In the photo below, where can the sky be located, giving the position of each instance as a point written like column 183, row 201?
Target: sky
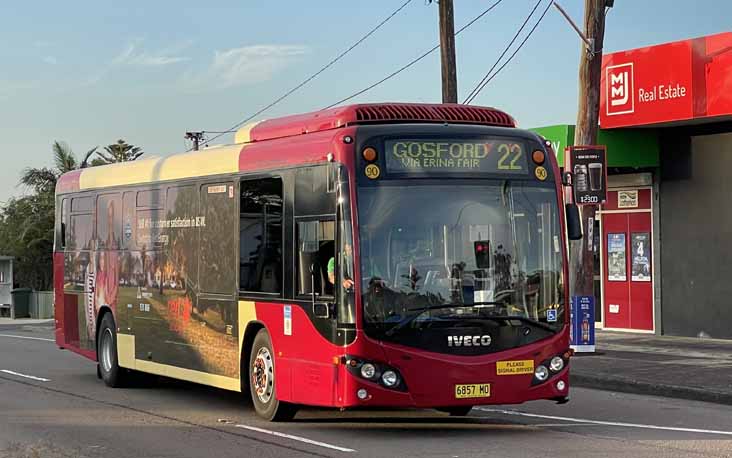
column 88, row 72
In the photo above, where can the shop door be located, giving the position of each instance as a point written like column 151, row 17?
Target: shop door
column 628, row 262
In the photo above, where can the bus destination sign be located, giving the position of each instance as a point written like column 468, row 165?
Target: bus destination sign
column 420, row 156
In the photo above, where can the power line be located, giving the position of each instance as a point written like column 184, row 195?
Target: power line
column 414, row 61
column 314, row 75
column 495, row 64
column 515, row 51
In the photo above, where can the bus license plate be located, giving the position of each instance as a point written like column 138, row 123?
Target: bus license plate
column 481, row 390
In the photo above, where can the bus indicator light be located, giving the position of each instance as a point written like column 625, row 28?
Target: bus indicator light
column 538, row 157
column 369, row 154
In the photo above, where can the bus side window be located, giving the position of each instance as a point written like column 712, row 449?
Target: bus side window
column 315, row 257
column 129, row 228
column 64, row 219
column 217, row 238
column 81, row 223
column 260, row 236
column 109, row 221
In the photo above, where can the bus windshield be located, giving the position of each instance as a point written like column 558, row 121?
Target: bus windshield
column 436, row 252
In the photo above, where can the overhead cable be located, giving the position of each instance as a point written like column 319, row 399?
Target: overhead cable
column 412, row 62
column 313, row 76
column 521, row 45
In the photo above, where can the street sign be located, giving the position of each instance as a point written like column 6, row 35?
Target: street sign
column 582, row 320
column 588, row 165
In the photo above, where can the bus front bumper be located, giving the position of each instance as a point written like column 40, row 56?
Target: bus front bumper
column 435, row 381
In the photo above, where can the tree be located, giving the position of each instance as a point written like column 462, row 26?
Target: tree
column 44, row 179
column 27, row 223
column 118, row 152
column 26, row 233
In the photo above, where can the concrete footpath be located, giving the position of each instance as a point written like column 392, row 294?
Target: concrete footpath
column 680, row 367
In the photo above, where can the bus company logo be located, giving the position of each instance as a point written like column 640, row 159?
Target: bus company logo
column 468, row 341
column 619, row 86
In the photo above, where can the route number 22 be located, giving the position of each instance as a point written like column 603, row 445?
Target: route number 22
column 508, row 153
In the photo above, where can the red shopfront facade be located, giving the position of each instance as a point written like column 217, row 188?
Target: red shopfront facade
column 665, row 247
column 668, row 84
column 627, row 265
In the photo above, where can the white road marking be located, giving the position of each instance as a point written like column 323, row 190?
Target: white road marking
column 27, row 337
column 559, row 425
column 604, row 423
column 296, row 438
column 32, row 377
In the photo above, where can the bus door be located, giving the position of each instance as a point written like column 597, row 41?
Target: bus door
column 211, row 332
column 78, row 312
column 315, row 285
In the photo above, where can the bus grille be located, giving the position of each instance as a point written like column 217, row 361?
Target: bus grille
column 440, row 113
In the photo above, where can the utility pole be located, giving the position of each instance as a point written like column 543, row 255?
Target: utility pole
column 588, row 112
column 447, row 52
column 196, row 137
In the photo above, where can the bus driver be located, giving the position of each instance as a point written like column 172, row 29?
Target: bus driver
column 347, row 277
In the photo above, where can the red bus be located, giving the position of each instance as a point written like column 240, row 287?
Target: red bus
column 399, row 255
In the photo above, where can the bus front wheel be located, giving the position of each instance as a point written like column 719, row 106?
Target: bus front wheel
column 262, row 381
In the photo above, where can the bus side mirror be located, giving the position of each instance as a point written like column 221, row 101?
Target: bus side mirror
column 574, row 226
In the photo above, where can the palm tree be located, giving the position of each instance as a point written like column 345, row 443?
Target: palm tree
column 44, row 179
column 118, row 152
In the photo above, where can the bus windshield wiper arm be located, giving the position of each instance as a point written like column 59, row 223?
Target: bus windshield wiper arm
column 523, row 319
column 419, row 310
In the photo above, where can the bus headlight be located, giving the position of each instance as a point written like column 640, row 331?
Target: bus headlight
column 556, row 364
column 368, row 371
column 541, row 373
column 390, row 378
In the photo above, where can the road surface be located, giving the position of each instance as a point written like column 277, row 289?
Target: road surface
column 53, row 405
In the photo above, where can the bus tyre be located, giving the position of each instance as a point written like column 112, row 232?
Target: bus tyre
column 459, row 411
column 111, row 373
column 262, row 381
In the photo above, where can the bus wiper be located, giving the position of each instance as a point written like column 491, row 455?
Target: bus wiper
column 420, row 310
column 523, row 319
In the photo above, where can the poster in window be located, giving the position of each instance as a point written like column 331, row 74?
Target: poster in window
column 641, row 256
column 616, row 257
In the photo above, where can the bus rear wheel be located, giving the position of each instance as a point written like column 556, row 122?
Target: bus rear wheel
column 108, row 367
column 262, row 381
column 459, row 411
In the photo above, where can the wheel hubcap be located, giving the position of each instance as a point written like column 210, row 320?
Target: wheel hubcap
column 106, row 352
column 263, row 375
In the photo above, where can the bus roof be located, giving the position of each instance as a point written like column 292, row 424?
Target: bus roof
column 373, row 113
column 226, row 159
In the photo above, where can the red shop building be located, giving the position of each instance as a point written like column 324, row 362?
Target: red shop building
column 682, row 93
